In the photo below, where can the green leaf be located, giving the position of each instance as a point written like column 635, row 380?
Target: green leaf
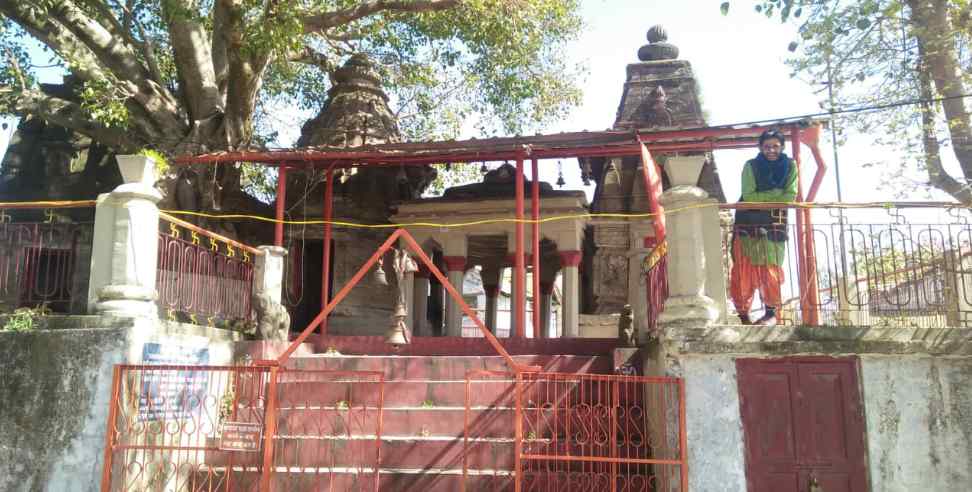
column 724, row 8
column 792, row 46
column 863, row 23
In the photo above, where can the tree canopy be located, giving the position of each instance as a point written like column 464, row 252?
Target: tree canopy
column 185, row 76
column 878, row 52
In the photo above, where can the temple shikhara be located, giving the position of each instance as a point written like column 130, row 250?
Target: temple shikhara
column 359, row 333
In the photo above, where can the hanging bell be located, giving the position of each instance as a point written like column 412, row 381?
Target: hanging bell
column 560, row 175
column 401, row 177
column 397, row 333
column 380, row 277
column 483, row 169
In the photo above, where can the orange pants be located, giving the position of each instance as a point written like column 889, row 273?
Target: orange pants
column 745, row 278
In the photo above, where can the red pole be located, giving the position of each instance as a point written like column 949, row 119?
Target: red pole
column 269, row 431
column 278, row 227
column 808, row 263
column 326, row 260
column 518, row 261
column 538, row 331
column 110, row 429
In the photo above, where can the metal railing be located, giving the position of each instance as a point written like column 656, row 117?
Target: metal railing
column 574, row 432
column 44, row 256
column 246, row 428
column 867, row 267
column 203, row 277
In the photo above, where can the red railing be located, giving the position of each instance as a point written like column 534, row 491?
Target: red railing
column 203, row 278
column 40, row 259
column 574, row 432
column 251, row 428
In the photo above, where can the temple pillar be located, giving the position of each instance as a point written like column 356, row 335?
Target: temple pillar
column 517, row 291
column 456, row 267
column 569, row 264
column 420, row 302
column 124, row 259
column 546, row 292
column 687, row 303
column 491, row 275
column 641, row 232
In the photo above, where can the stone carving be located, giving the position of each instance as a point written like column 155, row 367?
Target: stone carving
column 273, row 320
column 626, row 330
column 657, row 48
column 655, row 108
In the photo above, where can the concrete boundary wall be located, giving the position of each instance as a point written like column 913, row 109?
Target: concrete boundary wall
column 916, row 387
column 55, row 389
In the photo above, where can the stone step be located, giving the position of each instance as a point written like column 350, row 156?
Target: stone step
column 401, row 421
column 426, row 479
column 448, row 368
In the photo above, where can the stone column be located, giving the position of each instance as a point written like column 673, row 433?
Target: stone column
column 569, row 263
column 456, row 267
column 420, row 303
column 546, row 291
column 517, row 290
column 124, row 257
column 687, row 304
column 268, row 271
column 641, row 233
column 491, row 275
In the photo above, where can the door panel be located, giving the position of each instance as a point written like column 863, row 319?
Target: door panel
column 802, row 417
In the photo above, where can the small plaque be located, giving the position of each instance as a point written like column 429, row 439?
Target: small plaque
column 240, row 436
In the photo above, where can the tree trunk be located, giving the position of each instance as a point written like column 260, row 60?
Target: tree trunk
column 939, row 60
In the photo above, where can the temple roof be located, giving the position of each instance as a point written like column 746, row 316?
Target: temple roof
column 562, row 145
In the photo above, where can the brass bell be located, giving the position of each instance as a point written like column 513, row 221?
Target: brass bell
column 380, row 277
column 397, row 333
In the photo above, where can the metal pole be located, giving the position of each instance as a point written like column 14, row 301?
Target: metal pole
column 519, row 264
column 326, row 260
column 538, row 331
column 278, row 226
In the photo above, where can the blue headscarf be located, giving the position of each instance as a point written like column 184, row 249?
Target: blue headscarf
column 771, row 174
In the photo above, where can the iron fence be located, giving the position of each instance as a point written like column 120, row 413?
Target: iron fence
column 44, row 255
column 865, row 268
column 220, row 428
column 203, row 278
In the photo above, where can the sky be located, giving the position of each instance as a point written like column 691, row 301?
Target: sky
column 738, row 62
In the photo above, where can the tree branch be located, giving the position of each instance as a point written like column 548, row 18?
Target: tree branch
column 81, row 60
column 193, row 59
column 70, row 115
column 321, row 21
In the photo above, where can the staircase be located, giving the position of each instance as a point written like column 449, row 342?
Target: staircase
column 328, row 421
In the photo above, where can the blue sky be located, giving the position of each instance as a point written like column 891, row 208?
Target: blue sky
column 739, row 64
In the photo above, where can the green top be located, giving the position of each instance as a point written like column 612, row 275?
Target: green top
column 762, row 251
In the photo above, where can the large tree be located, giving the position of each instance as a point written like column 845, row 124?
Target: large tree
column 190, row 76
column 877, row 52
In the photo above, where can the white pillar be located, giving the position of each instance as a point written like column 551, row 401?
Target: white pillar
column 268, row 269
column 456, row 266
column 640, row 232
column 569, row 263
column 420, row 303
column 124, row 257
column 687, row 303
column 491, row 275
column 715, row 268
column 546, row 292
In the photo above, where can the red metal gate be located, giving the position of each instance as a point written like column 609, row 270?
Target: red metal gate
column 584, row 432
column 189, row 428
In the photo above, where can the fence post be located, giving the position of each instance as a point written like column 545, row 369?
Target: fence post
column 268, row 271
column 684, row 203
column 124, row 255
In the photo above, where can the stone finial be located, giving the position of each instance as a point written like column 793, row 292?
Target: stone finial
column 658, row 47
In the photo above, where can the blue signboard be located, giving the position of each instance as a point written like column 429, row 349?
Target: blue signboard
column 169, row 394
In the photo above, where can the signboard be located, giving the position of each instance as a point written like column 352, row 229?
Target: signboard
column 172, row 394
column 240, row 436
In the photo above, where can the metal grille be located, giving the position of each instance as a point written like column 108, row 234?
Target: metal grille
column 38, row 263
column 317, row 430
column 202, row 279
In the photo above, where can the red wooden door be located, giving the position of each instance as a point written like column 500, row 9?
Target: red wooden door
column 803, row 423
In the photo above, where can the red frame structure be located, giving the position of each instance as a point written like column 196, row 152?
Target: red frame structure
column 639, row 143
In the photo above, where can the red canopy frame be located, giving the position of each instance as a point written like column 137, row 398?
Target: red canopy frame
column 635, row 143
